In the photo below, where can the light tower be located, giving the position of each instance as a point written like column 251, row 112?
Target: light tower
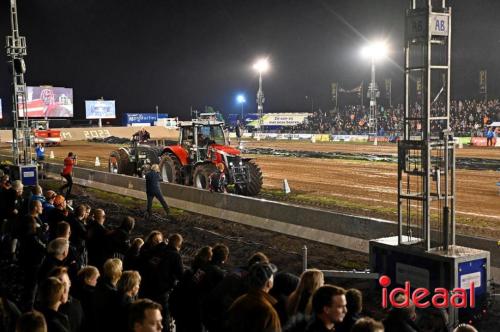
column 241, row 100
column 16, row 50
column 374, row 51
column 425, row 253
column 261, row 66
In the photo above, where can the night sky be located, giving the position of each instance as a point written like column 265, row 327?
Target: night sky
column 184, row 53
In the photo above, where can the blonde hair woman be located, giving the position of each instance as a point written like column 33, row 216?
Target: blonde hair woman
column 300, row 299
column 129, row 284
column 113, row 270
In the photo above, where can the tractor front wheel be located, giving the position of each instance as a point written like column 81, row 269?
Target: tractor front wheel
column 252, row 188
column 201, row 175
column 170, row 168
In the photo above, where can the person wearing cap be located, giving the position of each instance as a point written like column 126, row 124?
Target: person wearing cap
column 69, row 162
column 254, row 311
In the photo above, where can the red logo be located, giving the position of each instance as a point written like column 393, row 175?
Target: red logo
column 423, row 298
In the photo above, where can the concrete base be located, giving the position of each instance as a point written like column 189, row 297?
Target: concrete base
column 453, row 268
column 86, row 133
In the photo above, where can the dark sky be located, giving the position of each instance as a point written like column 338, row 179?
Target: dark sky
column 183, row 53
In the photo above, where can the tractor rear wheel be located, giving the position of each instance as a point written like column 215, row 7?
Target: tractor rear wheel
column 252, row 188
column 125, row 166
column 152, row 154
column 170, row 168
column 201, row 175
column 118, row 163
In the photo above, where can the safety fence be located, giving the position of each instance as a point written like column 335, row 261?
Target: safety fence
column 338, row 229
column 320, row 225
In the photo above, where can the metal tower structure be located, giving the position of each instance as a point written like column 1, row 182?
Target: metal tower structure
column 21, row 132
column 260, row 102
column 426, row 156
column 424, row 252
column 373, row 94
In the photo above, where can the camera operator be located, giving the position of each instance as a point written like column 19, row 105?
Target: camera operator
column 69, row 162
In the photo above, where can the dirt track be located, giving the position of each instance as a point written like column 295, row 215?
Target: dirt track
column 361, row 187
column 381, row 148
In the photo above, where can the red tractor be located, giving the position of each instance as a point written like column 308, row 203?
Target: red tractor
column 202, row 144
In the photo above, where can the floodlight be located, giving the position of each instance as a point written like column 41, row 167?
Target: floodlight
column 241, row 99
column 262, row 65
column 375, row 50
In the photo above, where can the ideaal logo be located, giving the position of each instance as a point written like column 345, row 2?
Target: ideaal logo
column 423, row 298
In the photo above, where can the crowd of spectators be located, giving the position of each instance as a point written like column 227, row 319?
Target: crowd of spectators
column 80, row 274
column 467, row 118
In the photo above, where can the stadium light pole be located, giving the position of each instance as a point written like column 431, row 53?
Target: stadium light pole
column 374, row 51
column 261, row 66
column 312, row 103
column 241, row 100
column 156, row 107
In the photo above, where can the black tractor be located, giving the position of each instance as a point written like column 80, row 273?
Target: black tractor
column 135, row 159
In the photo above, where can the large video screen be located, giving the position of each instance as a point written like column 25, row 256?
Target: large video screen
column 100, row 109
column 48, row 101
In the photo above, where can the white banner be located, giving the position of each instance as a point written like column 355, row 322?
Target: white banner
column 349, row 138
column 281, row 119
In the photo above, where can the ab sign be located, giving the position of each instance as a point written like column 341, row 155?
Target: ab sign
column 418, row 26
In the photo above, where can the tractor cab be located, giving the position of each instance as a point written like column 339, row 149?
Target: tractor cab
column 198, row 136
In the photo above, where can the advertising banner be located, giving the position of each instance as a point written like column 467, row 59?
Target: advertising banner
column 322, row 138
column 48, row 102
column 100, row 109
column 281, row 119
column 481, row 141
column 349, row 138
column 142, row 118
